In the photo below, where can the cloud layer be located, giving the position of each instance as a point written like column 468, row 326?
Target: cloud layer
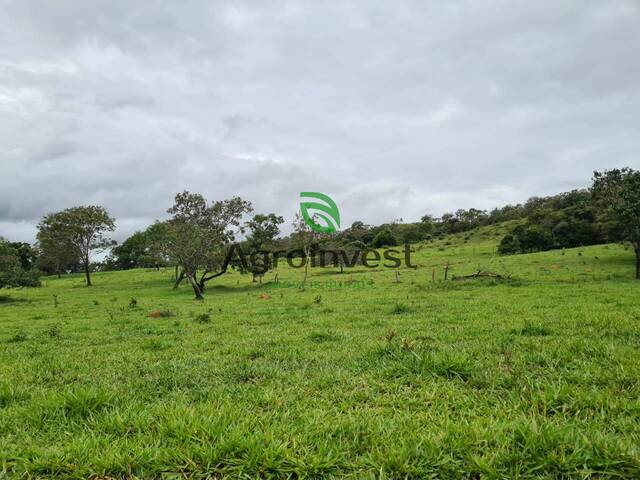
column 395, row 109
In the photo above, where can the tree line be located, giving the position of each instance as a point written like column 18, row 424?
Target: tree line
column 196, row 237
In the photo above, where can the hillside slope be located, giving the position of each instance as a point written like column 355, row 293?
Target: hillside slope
column 529, row 376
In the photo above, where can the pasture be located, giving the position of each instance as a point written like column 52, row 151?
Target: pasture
column 531, row 376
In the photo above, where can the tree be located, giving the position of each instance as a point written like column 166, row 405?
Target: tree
column 198, row 234
column 358, row 232
column 26, row 254
column 55, row 255
column 75, row 233
column 340, row 255
column 618, row 193
column 409, row 232
column 533, row 238
column 263, row 231
column 304, row 237
column 128, row 253
column 426, row 225
column 509, row 244
column 384, row 238
column 12, row 271
column 142, row 249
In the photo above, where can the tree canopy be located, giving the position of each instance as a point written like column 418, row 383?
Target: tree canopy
column 618, row 193
column 198, row 234
column 14, row 272
column 74, row 233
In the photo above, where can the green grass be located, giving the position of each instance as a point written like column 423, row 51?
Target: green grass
column 532, row 376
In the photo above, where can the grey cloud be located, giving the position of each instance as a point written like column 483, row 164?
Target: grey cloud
column 393, row 108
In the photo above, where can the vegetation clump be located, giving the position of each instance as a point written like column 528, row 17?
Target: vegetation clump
column 400, row 308
column 204, row 317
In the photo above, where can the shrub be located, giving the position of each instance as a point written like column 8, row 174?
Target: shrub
column 203, row 318
column 18, row 337
column 384, row 238
column 12, row 271
column 508, row 245
column 54, row 331
column 400, row 308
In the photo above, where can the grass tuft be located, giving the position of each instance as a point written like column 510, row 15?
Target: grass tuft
column 203, row 318
column 322, row 337
column 532, row 330
column 84, row 403
column 400, row 308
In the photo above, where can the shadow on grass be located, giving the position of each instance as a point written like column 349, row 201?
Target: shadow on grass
column 6, row 299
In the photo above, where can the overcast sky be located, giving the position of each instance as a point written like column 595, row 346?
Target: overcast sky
column 393, row 108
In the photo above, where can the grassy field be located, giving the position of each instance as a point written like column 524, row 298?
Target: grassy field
column 536, row 376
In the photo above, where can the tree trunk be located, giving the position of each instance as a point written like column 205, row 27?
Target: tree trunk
column 638, row 260
column 175, row 273
column 86, row 272
column 179, row 279
column 204, row 279
column 196, row 287
column 306, row 270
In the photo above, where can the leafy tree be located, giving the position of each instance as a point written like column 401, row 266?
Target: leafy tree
column 341, row 255
column 26, row 254
column 409, row 232
column 144, row 249
column 305, row 239
column 572, row 232
column 533, row 238
column 263, row 231
column 128, row 253
column 427, row 225
column 55, row 256
column 358, row 232
column 198, row 234
column 384, row 238
column 509, row 244
column 618, row 193
column 506, row 213
column 12, row 271
column 158, row 244
column 75, row 233
column 561, row 221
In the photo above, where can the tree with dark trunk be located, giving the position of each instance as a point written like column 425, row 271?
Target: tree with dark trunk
column 199, row 234
column 75, row 233
column 618, row 193
column 306, row 239
column 263, row 230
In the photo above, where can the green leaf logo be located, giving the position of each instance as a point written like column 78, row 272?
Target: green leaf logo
column 331, row 215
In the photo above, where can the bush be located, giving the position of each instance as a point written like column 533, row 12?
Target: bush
column 509, row 245
column 12, row 272
column 203, row 318
column 526, row 238
column 384, row 238
column 400, row 308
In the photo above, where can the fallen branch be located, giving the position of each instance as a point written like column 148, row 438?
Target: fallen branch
column 482, row 274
